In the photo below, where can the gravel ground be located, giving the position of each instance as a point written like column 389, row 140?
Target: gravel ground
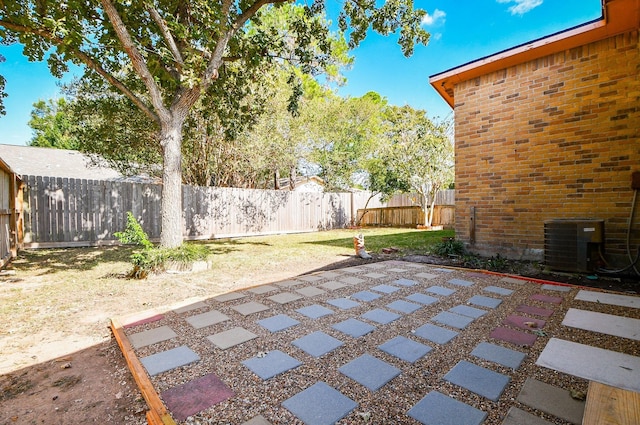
column 390, row 403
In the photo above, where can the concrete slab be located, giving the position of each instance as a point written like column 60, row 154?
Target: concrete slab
column 231, row 338
column 453, row 320
column 263, row 289
column 546, row 299
column 285, row 297
column 310, row 291
column 465, row 310
column 513, row 280
column 353, row 270
column 278, row 323
column 553, row 400
column 422, row 299
column 403, row 306
column 151, row 336
column 317, row 344
column 351, row 280
column 397, row 270
column 443, row 270
column 477, row 379
column 385, row 289
column 310, row 278
column 375, row 266
column 557, row 288
column 343, row 303
column 632, row 301
column 438, row 409
column 170, row 359
column 375, row 275
column 320, row 404
column 427, row 276
column 439, row 290
column 190, row 307
column 231, row 296
column 405, row 282
column 332, row 285
column 195, row 396
column 538, row 311
column 365, row 296
column 354, row 328
column 460, row 282
column 209, row 318
column 257, row 420
column 498, row 290
column 405, row 349
column 360, row 370
column 482, row 301
column 517, row 416
column 435, row 333
column 381, row 316
column 251, row 307
column 289, row 283
column 329, row 274
column 592, row 363
column 498, row 354
column 513, row 336
column 522, row 322
column 272, row 364
column 315, row 311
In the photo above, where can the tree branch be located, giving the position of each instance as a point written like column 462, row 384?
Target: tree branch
column 166, row 33
column 90, row 62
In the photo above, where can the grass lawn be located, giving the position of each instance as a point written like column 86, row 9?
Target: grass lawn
column 62, row 299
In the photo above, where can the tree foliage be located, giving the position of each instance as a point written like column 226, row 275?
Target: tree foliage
column 52, row 125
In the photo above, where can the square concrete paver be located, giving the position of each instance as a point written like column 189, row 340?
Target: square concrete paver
column 288, row 283
column 523, row 322
column 365, row 296
column 422, row 299
column 625, row 327
column 285, row 298
column 343, row 303
column 278, row 323
column 497, row 354
column 310, row 291
column 427, row 276
column 310, row 278
column 498, row 290
column 443, row 270
column 439, row 290
column 557, row 288
column 320, row 404
column 537, row 311
column 546, row 298
column 329, row 274
column 465, row 310
column 405, row 282
column 551, row 399
column 435, row 333
column 439, row 409
column 513, row 336
column 151, row 336
column 405, row 349
column 513, row 280
column 354, row 328
column 360, row 370
column 257, row 420
column 517, row 416
column 263, row 289
column 195, row 396
column 397, row 270
column 460, row 282
column 209, row 318
column 230, row 338
column 477, row 379
column 385, row 289
column 381, row 316
column 231, row 296
column 273, row 363
column 375, row 275
column 404, row 306
column 451, row 319
column 315, row 311
column 333, row 285
column 317, row 344
column 482, row 301
column 170, row 359
column 251, row 307
column 351, row 280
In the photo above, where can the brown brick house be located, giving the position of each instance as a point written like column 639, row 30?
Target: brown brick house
column 549, row 130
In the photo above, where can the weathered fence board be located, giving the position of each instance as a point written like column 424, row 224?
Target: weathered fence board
column 406, row 216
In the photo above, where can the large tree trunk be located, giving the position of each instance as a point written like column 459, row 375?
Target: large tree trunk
column 171, row 141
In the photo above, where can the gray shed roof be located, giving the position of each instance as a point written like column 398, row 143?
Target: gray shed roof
column 48, row 162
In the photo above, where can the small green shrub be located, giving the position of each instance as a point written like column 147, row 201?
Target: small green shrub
column 133, row 234
column 449, row 247
column 155, row 260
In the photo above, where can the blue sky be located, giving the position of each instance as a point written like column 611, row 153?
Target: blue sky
column 461, row 31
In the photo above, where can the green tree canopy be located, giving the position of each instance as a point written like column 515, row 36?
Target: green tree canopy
column 52, row 125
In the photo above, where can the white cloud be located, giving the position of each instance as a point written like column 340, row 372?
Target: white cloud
column 521, row 6
column 438, row 15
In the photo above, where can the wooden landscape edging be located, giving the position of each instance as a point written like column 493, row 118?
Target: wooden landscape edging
column 158, row 413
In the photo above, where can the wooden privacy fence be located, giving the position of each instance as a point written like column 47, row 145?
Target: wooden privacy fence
column 406, row 216
column 10, row 214
column 64, row 212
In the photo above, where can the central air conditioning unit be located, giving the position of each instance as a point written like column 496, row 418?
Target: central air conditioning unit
column 573, row 245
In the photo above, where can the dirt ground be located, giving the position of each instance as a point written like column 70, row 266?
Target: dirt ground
column 93, row 385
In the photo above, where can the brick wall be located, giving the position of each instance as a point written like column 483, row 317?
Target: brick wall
column 556, row 137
